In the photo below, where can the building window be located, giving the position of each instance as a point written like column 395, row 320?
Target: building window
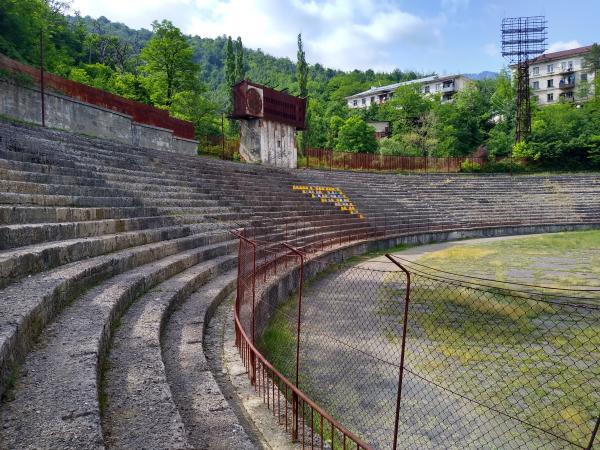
column 563, row 65
column 584, row 77
column 438, row 87
column 426, row 89
column 536, row 84
column 550, row 98
column 363, row 101
column 355, row 102
column 536, row 70
column 550, row 68
column 373, row 99
column 550, row 83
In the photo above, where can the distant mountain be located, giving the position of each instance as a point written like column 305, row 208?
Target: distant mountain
column 486, row 74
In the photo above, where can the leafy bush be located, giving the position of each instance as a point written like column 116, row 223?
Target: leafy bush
column 356, row 136
column 471, row 167
column 504, row 166
column 397, row 147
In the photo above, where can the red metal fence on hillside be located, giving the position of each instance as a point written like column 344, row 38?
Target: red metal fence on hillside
column 140, row 112
column 319, row 158
column 394, row 354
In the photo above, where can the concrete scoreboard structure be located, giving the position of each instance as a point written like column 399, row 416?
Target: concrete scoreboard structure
column 269, row 120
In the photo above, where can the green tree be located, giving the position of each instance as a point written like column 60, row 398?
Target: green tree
column 301, row 70
column 240, row 71
column 591, row 62
column 302, row 78
column 406, row 109
column 501, row 137
column 193, row 106
column 168, row 63
column 333, row 130
column 230, row 71
column 356, row 136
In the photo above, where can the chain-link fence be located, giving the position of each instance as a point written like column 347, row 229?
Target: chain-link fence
column 405, row 356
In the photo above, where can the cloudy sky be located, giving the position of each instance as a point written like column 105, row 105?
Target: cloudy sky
column 446, row 36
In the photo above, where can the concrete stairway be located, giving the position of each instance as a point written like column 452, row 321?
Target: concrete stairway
column 458, row 201
column 112, row 258
column 99, row 243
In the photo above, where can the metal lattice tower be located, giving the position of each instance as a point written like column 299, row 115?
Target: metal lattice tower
column 523, row 39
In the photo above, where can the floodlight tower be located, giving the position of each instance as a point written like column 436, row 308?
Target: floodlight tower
column 523, row 39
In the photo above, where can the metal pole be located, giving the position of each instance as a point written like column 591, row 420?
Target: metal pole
column 591, row 444
column 222, row 135
column 403, row 349
column 298, row 329
column 42, row 78
column 253, row 310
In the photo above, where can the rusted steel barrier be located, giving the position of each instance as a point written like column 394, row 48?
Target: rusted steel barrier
column 306, row 421
column 320, row 158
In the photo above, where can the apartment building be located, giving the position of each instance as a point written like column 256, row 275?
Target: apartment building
column 560, row 75
column 445, row 86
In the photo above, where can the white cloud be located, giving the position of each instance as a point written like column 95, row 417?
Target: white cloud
column 338, row 33
column 563, row 45
column 491, row 49
column 135, row 13
column 454, row 6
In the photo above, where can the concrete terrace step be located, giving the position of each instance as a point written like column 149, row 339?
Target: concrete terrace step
column 140, row 411
column 30, row 259
column 28, row 305
column 11, row 215
column 12, row 236
column 208, row 418
column 55, row 401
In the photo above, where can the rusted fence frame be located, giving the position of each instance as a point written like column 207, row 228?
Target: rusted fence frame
column 326, row 159
column 269, row 376
column 264, row 376
column 242, row 280
column 402, row 349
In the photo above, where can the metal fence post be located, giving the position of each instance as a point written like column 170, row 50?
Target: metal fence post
column 402, row 350
column 594, row 433
column 295, row 412
column 42, row 90
column 252, row 356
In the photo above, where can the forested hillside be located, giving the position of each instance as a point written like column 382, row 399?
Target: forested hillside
column 191, row 77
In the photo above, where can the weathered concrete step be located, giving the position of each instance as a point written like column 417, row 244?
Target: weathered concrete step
column 33, row 214
column 181, row 177
column 26, row 187
column 28, row 305
column 17, row 263
column 209, row 419
column 139, row 411
column 55, row 403
column 12, row 236
column 7, row 198
column 153, row 191
column 102, row 202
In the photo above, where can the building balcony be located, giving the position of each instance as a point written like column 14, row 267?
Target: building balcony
column 567, row 70
column 566, row 85
column 448, row 88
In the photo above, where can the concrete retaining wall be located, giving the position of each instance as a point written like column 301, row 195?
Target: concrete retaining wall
column 24, row 103
column 279, row 289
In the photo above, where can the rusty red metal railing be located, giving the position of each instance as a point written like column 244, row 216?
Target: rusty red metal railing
column 318, row 414
column 306, row 421
column 139, row 112
column 320, row 158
